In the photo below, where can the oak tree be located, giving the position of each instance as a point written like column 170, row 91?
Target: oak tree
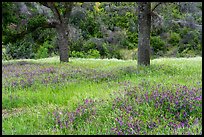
column 59, row 19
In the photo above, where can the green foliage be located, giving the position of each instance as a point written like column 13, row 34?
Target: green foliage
column 5, row 56
column 77, row 54
column 104, row 50
column 174, row 39
column 184, row 31
column 89, row 45
column 190, row 43
column 35, row 22
column 184, row 51
column 122, row 21
column 43, row 51
column 120, row 15
column 110, row 51
column 157, row 43
column 8, row 13
column 76, row 45
column 128, row 54
column 92, row 53
column 127, row 44
column 175, row 13
column 41, row 36
column 21, row 49
column 90, row 26
column 114, row 23
column 132, row 39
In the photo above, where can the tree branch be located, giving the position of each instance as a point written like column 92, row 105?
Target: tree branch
column 156, row 6
column 55, row 11
column 45, row 4
column 53, row 8
column 14, row 37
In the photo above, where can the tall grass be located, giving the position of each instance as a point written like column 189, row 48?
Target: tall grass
column 102, row 96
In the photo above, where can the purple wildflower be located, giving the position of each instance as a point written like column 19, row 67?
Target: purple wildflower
column 130, row 125
column 195, row 121
column 86, row 101
column 61, row 126
column 119, row 121
column 184, row 114
column 182, row 124
column 14, row 84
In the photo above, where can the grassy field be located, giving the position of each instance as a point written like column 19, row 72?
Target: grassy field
column 102, row 96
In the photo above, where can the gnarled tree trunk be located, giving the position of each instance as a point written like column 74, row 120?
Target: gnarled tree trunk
column 144, row 26
column 62, row 42
column 61, row 12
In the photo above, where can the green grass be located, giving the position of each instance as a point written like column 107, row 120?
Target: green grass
column 25, row 109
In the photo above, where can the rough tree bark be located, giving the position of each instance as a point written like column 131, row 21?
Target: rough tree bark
column 62, row 42
column 62, row 27
column 144, row 26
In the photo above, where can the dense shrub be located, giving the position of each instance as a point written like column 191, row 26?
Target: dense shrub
column 190, row 43
column 92, row 53
column 116, row 37
column 90, row 26
column 132, row 40
column 110, row 51
column 76, row 45
column 77, row 54
column 174, row 39
column 157, row 43
column 127, row 54
column 127, row 45
column 104, row 50
column 43, row 50
column 93, row 43
column 77, row 16
column 21, row 49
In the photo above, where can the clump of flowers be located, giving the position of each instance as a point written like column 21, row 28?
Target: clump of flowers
column 26, row 75
column 142, row 110
column 65, row 120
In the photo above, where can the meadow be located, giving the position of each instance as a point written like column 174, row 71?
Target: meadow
column 102, row 96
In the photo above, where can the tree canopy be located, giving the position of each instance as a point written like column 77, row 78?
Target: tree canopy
column 98, row 29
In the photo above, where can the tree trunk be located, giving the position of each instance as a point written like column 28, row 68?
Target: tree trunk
column 144, row 26
column 62, row 42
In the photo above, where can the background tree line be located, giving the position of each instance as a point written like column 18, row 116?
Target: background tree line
column 98, row 30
